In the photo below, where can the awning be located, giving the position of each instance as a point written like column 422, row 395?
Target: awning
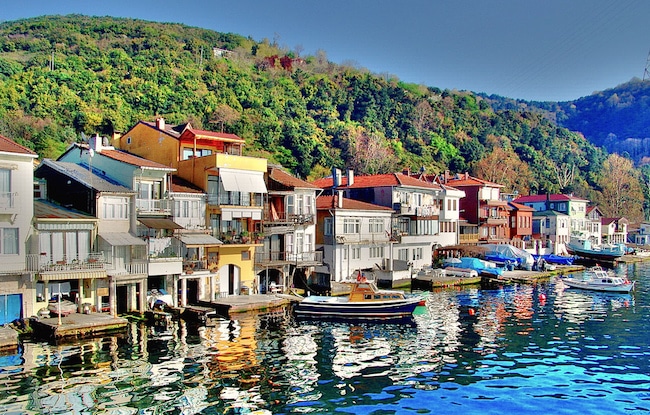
column 121, row 239
column 237, row 213
column 159, row 223
column 197, row 240
column 244, row 181
column 72, row 275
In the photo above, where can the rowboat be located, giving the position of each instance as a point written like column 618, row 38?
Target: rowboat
column 365, row 302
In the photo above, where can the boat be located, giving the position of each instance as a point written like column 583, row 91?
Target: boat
column 606, row 252
column 598, row 279
column 555, row 259
column 365, row 302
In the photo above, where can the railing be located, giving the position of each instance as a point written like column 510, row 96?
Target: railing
column 7, row 200
column 288, row 257
column 293, row 218
column 161, row 248
column 154, row 206
column 40, row 263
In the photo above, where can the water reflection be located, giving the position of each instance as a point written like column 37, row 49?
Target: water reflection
column 478, row 351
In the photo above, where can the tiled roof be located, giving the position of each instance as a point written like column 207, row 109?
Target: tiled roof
column 213, row 134
column 551, row 198
column 180, row 185
column 48, row 210
column 8, row 145
column 377, row 180
column 330, row 202
column 173, row 130
column 288, row 180
column 134, row 160
column 470, row 181
column 521, row 207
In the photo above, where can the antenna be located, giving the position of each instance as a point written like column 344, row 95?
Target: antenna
column 646, row 72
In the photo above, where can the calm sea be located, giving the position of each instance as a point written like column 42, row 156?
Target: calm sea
column 528, row 349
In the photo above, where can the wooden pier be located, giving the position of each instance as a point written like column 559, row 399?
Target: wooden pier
column 76, row 325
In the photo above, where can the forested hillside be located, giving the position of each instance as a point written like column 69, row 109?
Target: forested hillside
column 61, row 76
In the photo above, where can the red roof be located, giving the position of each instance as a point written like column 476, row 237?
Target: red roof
column 551, row 198
column 470, row 181
column 134, row 160
column 213, row 134
column 10, row 146
column 288, row 180
column 377, row 180
column 330, row 202
column 519, row 206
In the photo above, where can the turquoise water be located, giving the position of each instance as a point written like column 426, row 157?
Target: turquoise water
column 525, row 348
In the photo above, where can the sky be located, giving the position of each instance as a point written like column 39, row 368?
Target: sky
column 541, row 50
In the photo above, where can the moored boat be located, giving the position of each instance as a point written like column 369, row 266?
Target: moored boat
column 584, row 248
column 598, row 279
column 365, row 302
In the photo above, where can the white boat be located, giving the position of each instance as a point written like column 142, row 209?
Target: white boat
column 598, row 279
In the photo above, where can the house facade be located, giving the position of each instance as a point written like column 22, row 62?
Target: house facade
column 288, row 255
column 235, row 189
column 520, row 229
column 551, row 231
column 17, row 294
column 354, row 237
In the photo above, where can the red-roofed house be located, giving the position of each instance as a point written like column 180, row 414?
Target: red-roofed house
column 354, row 237
column 235, row 189
column 16, row 212
column 289, row 230
column 481, row 207
column 521, row 223
column 426, row 214
column 614, row 230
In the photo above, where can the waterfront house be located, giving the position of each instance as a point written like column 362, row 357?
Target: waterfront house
column 355, row 238
column 426, row 215
column 65, row 259
column 288, row 234
column 481, row 208
column 16, row 211
column 125, row 255
column 614, row 230
column 574, row 207
column 520, row 229
column 234, row 185
column 551, row 232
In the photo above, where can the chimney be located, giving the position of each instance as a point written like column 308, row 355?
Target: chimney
column 336, row 177
column 466, row 176
column 406, row 172
column 160, row 123
column 350, row 177
column 95, row 143
column 339, row 197
column 446, row 176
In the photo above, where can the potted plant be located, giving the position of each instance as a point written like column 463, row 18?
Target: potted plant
column 244, row 236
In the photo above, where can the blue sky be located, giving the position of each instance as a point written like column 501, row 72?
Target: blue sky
column 547, row 50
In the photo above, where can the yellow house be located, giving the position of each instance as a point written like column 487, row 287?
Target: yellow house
column 234, row 185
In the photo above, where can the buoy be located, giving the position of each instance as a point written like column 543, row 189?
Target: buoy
column 542, row 297
column 471, row 311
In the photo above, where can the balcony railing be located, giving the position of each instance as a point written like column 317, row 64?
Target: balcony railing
column 283, row 257
column 40, row 263
column 292, row 218
column 7, row 200
column 153, row 206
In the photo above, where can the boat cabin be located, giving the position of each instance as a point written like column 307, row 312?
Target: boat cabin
column 368, row 291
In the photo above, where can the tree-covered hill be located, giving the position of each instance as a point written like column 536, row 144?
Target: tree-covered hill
column 61, row 76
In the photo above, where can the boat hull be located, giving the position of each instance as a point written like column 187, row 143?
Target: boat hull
column 618, row 288
column 329, row 307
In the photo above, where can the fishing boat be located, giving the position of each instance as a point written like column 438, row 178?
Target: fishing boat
column 584, row 248
column 365, row 302
column 598, row 279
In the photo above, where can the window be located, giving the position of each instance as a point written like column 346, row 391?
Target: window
column 403, row 254
column 245, row 255
column 351, row 226
column 356, row 252
column 9, row 241
column 376, row 252
column 417, row 254
column 327, row 227
column 5, row 188
column 115, row 208
column 376, row 226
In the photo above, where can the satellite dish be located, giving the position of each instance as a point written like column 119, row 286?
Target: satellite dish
column 91, row 152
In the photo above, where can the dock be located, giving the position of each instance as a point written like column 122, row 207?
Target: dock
column 236, row 304
column 8, row 339
column 76, row 325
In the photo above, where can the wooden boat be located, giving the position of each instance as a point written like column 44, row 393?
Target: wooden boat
column 584, row 248
column 598, row 279
column 365, row 302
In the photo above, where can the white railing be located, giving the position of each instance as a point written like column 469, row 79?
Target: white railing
column 42, row 263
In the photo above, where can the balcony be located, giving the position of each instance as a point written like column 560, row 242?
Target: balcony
column 8, row 201
column 39, row 263
column 280, row 258
column 154, row 206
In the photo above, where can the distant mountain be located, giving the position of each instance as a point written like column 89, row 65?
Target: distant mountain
column 617, row 119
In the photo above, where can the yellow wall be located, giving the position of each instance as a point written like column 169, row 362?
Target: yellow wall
column 150, row 143
column 232, row 254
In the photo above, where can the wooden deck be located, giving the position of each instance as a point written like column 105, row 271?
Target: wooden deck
column 76, row 325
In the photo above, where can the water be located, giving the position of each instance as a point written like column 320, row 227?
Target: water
column 533, row 349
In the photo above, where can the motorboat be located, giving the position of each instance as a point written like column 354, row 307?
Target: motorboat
column 606, row 252
column 598, row 279
column 364, row 302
